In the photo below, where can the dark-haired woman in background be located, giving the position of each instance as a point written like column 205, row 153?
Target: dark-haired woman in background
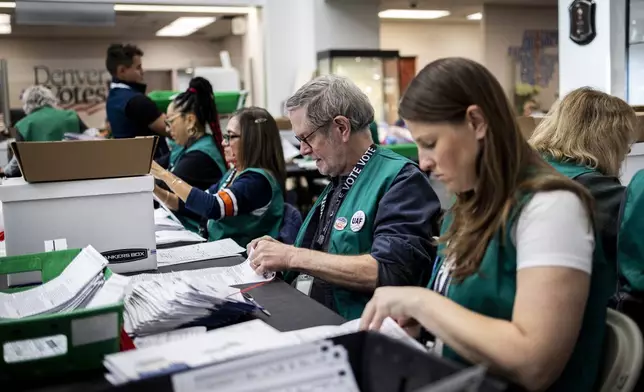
column 196, row 155
column 248, row 202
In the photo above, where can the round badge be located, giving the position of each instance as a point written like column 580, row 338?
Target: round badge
column 357, row 221
column 340, row 223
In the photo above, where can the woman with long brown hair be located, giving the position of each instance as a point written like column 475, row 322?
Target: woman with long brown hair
column 516, row 286
column 248, row 202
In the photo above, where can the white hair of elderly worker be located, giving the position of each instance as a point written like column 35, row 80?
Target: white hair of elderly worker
column 36, row 97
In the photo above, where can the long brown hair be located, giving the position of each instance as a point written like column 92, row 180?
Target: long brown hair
column 260, row 142
column 507, row 166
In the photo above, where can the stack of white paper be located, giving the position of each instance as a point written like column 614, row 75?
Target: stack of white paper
column 217, row 345
column 320, row 366
column 389, row 328
column 191, row 253
column 166, row 220
column 238, row 274
column 170, row 300
column 166, row 337
column 70, row 290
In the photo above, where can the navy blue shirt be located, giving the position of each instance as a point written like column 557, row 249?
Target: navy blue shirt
column 251, row 192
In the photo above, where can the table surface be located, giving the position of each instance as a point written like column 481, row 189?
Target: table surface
column 289, row 308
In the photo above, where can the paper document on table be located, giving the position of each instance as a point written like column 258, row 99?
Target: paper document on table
column 243, row 274
column 113, row 291
column 389, row 327
column 166, row 223
column 166, row 337
column 199, row 252
column 164, row 207
column 320, row 366
column 71, row 289
column 166, row 237
column 216, row 345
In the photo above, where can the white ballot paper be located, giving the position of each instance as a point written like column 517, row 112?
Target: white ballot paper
column 199, row 252
column 319, row 366
column 71, row 289
column 113, row 291
column 238, row 274
column 166, row 237
column 166, row 337
column 389, row 328
column 217, row 345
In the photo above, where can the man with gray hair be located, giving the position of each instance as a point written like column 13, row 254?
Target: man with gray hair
column 372, row 226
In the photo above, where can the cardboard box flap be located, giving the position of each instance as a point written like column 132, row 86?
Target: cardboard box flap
column 84, row 159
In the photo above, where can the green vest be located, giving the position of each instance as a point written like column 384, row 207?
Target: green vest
column 206, row 145
column 48, row 124
column 371, row 185
column 175, row 149
column 630, row 246
column 491, row 292
column 245, row 228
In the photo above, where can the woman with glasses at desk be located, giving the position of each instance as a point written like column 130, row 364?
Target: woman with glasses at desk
column 248, row 202
column 196, row 154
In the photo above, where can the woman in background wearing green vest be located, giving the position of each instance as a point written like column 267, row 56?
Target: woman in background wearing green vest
column 587, row 137
column 197, row 155
column 516, row 285
column 44, row 122
column 248, row 202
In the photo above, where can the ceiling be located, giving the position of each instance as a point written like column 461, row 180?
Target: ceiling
column 128, row 25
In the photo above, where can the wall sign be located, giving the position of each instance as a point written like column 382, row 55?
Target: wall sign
column 582, row 21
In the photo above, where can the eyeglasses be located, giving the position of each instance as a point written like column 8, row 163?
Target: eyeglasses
column 304, row 139
column 170, row 120
column 230, row 136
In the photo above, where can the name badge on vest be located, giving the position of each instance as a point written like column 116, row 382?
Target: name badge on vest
column 303, row 284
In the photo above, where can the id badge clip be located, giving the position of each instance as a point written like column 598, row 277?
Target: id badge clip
column 304, row 283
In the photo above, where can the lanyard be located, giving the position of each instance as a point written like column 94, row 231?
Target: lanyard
column 229, row 179
column 346, row 187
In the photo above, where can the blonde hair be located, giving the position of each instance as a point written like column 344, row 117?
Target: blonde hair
column 590, row 128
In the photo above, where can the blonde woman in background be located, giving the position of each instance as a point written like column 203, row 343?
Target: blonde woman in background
column 586, row 137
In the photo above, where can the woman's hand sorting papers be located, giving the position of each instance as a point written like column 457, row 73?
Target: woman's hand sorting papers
column 157, row 171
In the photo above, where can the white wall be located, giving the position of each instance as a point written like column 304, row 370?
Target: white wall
column 602, row 63
column 504, row 26
column 431, row 41
column 346, row 25
column 486, row 42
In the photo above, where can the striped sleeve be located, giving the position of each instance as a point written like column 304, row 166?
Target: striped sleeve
column 249, row 193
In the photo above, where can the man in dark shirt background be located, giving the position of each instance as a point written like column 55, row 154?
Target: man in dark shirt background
column 129, row 111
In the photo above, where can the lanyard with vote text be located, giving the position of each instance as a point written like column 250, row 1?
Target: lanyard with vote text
column 348, row 184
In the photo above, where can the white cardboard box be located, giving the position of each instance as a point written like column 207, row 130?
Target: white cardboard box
column 115, row 216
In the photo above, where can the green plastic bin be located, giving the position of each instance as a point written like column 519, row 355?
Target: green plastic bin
column 227, row 101
column 90, row 333
column 408, row 150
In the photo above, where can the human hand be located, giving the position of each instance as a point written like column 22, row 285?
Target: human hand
column 411, row 326
column 271, row 256
column 157, row 171
column 251, row 245
column 395, row 302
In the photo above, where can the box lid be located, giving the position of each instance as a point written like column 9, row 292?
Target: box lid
column 17, row 189
column 84, row 159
